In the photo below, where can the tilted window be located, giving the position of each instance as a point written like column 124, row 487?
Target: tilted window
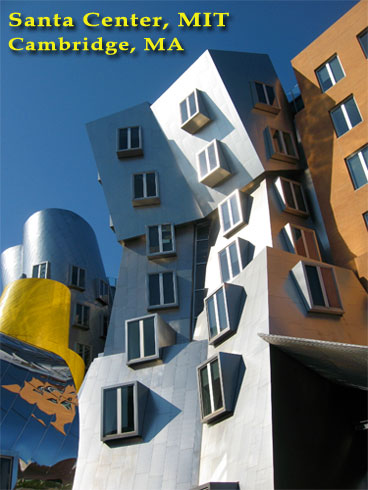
column 345, row 116
column 218, row 384
column 160, row 240
column 292, row 196
column 330, row 73
column 265, row 98
column 302, row 241
column 211, row 164
column 363, row 41
column 358, row 167
column 42, row 270
column 129, row 142
column 122, row 413
column 280, row 145
column 233, row 212
column 85, row 352
column 234, row 258
column 145, row 337
column 162, row 290
column 193, row 113
column 82, row 313
column 77, row 277
column 318, row 287
column 145, row 189
column 102, row 291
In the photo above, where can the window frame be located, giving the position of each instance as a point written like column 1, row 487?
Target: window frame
column 146, row 200
column 345, row 115
column 78, row 286
column 221, row 333
column 273, row 108
column 365, row 218
column 129, row 151
column 141, row 358
column 220, row 411
column 282, row 155
column 364, row 32
column 228, row 260
column 330, row 72
column 162, row 305
column 219, row 173
column 295, row 210
column 102, row 291
column 161, row 252
column 241, row 203
column 304, row 230
column 47, row 270
column 198, row 119
column 85, row 308
column 364, row 165
column 13, row 470
column 82, row 354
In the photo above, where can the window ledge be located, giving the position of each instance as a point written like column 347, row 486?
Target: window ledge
column 162, row 307
column 143, row 360
column 297, row 212
column 78, row 288
column 233, row 229
column 215, row 177
column 161, row 255
column 217, row 415
column 220, row 337
column 284, row 158
column 83, row 327
column 130, row 152
column 195, row 123
column 327, row 310
column 266, row 107
column 146, row 201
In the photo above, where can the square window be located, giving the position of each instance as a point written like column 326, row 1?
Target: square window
column 233, row 212
column 330, row 73
column 234, row 258
column 358, row 167
column 42, row 270
column 280, row 145
column 162, row 290
column 264, row 97
column 122, row 411
column 211, row 164
column 218, row 385
column 81, row 318
column 85, row 352
column 318, row 287
column 292, row 196
column 193, row 114
column 129, row 142
column 145, row 189
column 345, row 116
column 160, row 241
column 77, row 277
column 302, row 241
column 102, row 291
column 363, row 41
column 145, row 337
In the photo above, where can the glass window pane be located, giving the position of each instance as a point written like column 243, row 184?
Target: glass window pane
column 224, row 209
column 212, row 159
column 42, row 273
column 82, row 278
column 75, row 275
column 339, row 121
column 277, row 142
column 314, row 285
column 35, row 271
column 260, row 93
column 221, row 309
column 133, row 340
column 138, row 186
column 202, row 251
column 202, row 164
column 183, row 111
column 363, row 39
column 288, row 195
column 86, row 316
column 149, row 336
column 153, row 240
column 127, row 409
column 200, row 275
column 123, row 139
column 357, row 173
column 154, row 289
column 167, row 244
column 298, row 242
column 192, row 104
column 330, row 286
column 312, row 246
column 299, row 198
column 212, row 324
column 205, row 392
column 168, row 285
column 352, row 110
column 216, row 385
column 234, row 261
column 270, row 94
column 6, row 473
column 289, row 144
column 234, row 209
column 224, row 266
column 151, row 185
column 134, row 137
column 198, row 302
column 336, row 69
column 203, row 230
column 324, row 78
column 110, row 416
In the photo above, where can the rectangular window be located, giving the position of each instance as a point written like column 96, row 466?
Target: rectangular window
column 85, row 352
column 265, row 97
column 77, row 277
column 145, row 189
column 6, row 470
column 230, row 261
column 192, row 113
column 200, row 263
column 188, row 107
column 303, row 241
column 160, row 240
column 141, row 338
column 282, row 143
column 217, row 316
column 345, row 116
column 363, row 41
column 104, row 326
column 129, row 142
column 102, row 291
column 358, row 167
column 330, row 73
column 212, row 168
column 42, row 270
column 81, row 318
column 211, row 388
column 292, row 195
column 162, row 291
column 232, row 213
column 365, row 217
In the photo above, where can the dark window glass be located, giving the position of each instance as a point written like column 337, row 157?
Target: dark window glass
column 110, row 416
column 35, row 271
column 166, row 236
column 221, row 309
column 339, row 121
column 224, row 266
column 260, row 93
column 336, row 69
column 154, row 289
column 168, row 286
column 216, row 385
column 225, row 215
column 234, row 209
column 365, row 217
column 202, row 164
column 6, row 466
column 82, row 278
column 149, row 336
column 352, row 110
column 198, row 302
column 205, row 391
column 154, row 244
column 212, row 160
column 286, row 187
column 363, row 40
column 289, row 144
column 183, row 111
column 234, row 259
column 202, row 251
column 127, row 408
column 270, row 94
column 138, row 186
column 203, row 230
column 324, row 78
column 358, row 166
column 192, row 104
column 75, row 276
column 299, row 198
column 134, row 138
column 200, row 276
column 133, row 340
column 123, row 139
column 151, row 185
column 314, row 285
column 212, row 316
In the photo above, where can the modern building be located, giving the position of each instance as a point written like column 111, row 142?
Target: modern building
column 60, row 245
column 332, row 76
column 236, row 352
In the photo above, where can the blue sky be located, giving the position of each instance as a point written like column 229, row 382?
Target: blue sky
column 47, row 98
